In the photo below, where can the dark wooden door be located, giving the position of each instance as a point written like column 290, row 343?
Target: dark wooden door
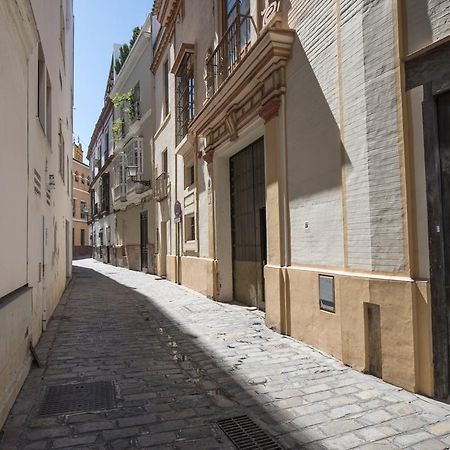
column 443, row 109
column 144, row 240
column 248, row 224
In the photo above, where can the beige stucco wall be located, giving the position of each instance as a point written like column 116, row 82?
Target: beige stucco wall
column 405, row 321
column 198, row 274
column 80, row 193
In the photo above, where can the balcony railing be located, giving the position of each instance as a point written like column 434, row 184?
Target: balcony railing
column 229, row 52
column 120, row 193
column 161, row 187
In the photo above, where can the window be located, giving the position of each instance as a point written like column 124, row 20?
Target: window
column 62, row 31
column 67, row 172
column 326, row 293
column 189, row 230
column 44, row 107
column 81, row 237
column 185, row 95
column 41, row 88
column 233, row 9
column 166, row 88
column 164, row 161
column 189, row 176
column 83, row 210
column 106, row 151
column 48, row 115
column 73, row 207
column 61, row 150
column 137, row 101
column 105, row 193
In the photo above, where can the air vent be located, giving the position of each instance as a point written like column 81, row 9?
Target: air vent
column 79, row 397
column 246, row 434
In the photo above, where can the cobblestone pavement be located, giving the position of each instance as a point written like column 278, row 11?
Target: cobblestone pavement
column 181, row 361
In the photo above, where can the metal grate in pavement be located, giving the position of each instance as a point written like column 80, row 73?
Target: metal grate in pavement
column 79, row 397
column 246, row 434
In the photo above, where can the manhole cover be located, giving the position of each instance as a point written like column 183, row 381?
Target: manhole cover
column 246, row 434
column 79, row 397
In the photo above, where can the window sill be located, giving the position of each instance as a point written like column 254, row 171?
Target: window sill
column 185, row 145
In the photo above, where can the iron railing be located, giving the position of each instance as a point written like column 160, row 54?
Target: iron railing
column 161, row 187
column 227, row 55
column 185, row 95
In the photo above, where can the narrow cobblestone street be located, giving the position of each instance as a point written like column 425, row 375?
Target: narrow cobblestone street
column 180, row 362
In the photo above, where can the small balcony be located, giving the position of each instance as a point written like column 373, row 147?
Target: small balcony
column 120, row 193
column 234, row 44
column 161, row 187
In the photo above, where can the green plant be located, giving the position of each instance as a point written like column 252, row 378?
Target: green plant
column 124, row 50
column 126, row 101
column 117, row 129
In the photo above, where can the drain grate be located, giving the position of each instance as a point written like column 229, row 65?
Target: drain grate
column 246, row 434
column 79, row 397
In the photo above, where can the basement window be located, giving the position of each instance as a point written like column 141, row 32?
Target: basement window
column 189, row 176
column 189, row 228
column 326, row 293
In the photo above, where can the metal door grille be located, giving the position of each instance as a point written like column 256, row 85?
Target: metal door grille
column 79, row 397
column 246, row 434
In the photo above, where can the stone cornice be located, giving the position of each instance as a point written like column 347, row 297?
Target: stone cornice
column 107, row 109
column 166, row 12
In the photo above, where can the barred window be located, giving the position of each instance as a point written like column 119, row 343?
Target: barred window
column 184, row 95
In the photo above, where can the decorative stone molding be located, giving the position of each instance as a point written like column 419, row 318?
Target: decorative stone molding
column 270, row 12
column 208, row 157
column 270, row 109
column 231, row 124
column 166, row 12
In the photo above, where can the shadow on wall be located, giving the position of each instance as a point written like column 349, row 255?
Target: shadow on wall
column 316, row 153
column 419, row 31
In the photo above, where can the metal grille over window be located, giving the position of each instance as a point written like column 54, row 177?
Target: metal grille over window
column 185, row 95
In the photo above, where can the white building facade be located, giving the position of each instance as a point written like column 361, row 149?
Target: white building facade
column 125, row 236
column 36, row 38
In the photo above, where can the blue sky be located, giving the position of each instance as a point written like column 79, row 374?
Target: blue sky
column 98, row 25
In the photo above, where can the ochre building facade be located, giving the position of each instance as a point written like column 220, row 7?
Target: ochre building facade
column 299, row 152
column 81, row 200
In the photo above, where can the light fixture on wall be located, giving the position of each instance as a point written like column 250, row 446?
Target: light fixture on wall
column 132, row 173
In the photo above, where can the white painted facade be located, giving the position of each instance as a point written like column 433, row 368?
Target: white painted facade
column 36, row 38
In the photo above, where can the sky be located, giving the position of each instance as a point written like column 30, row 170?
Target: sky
column 99, row 24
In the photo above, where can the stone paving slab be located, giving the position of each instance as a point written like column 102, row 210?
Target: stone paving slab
column 180, row 362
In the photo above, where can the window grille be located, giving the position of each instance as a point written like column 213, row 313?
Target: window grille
column 185, row 98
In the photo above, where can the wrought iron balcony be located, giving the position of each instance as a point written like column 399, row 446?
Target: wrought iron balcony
column 161, row 187
column 231, row 48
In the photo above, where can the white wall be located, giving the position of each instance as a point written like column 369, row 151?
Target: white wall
column 13, row 156
column 344, row 139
